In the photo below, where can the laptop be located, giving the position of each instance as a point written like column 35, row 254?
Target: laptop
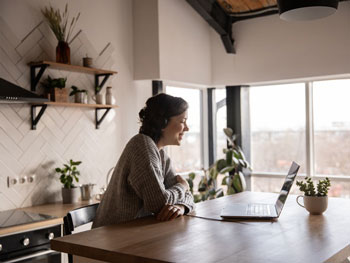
column 262, row 211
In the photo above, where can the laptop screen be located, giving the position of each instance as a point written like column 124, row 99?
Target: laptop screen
column 288, row 182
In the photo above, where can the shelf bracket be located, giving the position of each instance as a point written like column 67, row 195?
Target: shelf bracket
column 34, row 80
column 99, row 121
column 98, row 86
column 35, row 119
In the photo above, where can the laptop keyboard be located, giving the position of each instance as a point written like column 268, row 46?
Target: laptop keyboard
column 258, row 210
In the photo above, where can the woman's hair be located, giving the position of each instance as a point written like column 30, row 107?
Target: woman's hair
column 156, row 114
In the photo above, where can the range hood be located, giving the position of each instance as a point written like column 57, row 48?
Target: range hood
column 10, row 92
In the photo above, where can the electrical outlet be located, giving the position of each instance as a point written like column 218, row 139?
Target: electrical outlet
column 31, row 179
column 20, row 180
column 12, row 181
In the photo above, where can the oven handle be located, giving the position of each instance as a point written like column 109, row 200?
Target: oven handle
column 33, row 255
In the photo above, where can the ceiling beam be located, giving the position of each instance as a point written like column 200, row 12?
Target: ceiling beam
column 212, row 12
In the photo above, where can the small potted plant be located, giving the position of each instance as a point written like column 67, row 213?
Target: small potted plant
column 55, row 89
column 80, row 95
column 68, row 174
column 315, row 199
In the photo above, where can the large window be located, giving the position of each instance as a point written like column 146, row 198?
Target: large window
column 277, row 127
column 332, row 127
column 312, row 130
column 188, row 157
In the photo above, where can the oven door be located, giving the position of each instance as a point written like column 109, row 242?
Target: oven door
column 41, row 256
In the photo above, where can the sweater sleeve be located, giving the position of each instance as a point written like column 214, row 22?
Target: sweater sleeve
column 147, row 180
column 170, row 180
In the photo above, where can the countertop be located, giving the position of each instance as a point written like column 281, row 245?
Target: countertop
column 58, row 210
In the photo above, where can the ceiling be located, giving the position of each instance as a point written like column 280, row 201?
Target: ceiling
column 243, row 9
column 221, row 14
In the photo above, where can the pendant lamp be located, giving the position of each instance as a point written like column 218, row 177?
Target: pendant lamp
column 302, row 10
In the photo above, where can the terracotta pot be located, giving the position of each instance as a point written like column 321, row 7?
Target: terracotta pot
column 63, row 52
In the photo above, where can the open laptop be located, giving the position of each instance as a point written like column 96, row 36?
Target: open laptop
column 263, row 211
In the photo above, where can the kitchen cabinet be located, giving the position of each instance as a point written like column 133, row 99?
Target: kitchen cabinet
column 37, row 69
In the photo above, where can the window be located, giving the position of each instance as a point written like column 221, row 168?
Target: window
column 332, row 127
column 221, row 122
column 188, row 157
column 280, row 122
column 277, row 127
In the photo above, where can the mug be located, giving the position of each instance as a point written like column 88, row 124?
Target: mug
column 316, row 205
column 98, row 98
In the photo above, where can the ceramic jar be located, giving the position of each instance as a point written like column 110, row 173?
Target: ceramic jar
column 110, row 100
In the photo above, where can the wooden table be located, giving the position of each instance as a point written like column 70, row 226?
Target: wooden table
column 295, row 237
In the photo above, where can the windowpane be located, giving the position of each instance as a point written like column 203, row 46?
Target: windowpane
column 277, row 127
column 187, row 157
column 221, row 123
column 332, row 127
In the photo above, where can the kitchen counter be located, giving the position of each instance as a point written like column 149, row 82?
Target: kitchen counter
column 58, row 210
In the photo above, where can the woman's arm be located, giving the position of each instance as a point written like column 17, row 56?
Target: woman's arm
column 146, row 178
column 170, row 179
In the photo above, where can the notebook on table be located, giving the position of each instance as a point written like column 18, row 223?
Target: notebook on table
column 262, row 211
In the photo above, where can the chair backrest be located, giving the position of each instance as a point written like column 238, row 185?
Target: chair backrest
column 78, row 217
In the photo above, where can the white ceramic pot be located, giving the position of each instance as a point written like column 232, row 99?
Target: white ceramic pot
column 316, row 205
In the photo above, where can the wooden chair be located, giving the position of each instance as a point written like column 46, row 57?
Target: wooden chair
column 76, row 218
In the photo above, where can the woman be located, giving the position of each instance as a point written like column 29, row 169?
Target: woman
column 143, row 182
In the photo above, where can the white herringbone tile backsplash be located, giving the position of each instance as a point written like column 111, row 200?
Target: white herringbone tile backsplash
column 63, row 133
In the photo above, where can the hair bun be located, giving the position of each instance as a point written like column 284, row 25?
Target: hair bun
column 142, row 114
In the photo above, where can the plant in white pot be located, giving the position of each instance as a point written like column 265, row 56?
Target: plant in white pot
column 315, row 199
column 69, row 173
column 80, row 95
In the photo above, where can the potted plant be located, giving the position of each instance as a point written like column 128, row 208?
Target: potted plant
column 58, row 23
column 55, row 89
column 80, row 95
column 232, row 167
column 68, row 174
column 315, row 199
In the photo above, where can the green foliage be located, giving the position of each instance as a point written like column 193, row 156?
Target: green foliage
column 231, row 166
column 50, row 83
column 308, row 187
column 69, row 173
column 76, row 90
column 58, row 22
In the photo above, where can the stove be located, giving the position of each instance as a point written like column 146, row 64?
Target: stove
column 30, row 245
column 16, row 217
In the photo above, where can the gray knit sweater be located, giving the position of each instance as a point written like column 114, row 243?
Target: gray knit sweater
column 142, row 183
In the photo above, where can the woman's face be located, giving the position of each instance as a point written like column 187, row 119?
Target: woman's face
column 172, row 134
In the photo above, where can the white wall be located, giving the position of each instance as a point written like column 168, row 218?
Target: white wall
column 63, row 132
column 146, row 39
column 171, row 42
column 184, row 43
column 270, row 49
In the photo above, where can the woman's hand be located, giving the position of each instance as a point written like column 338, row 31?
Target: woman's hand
column 182, row 181
column 170, row 212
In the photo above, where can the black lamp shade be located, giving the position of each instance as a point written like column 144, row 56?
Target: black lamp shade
column 301, row 10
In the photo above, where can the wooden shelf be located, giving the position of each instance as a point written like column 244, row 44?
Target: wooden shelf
column 70, row 104
column 101, row 76
column 75, row 68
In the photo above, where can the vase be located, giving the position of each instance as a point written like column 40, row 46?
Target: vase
column 63, row 52
column 71, row 195
column 110, row 100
